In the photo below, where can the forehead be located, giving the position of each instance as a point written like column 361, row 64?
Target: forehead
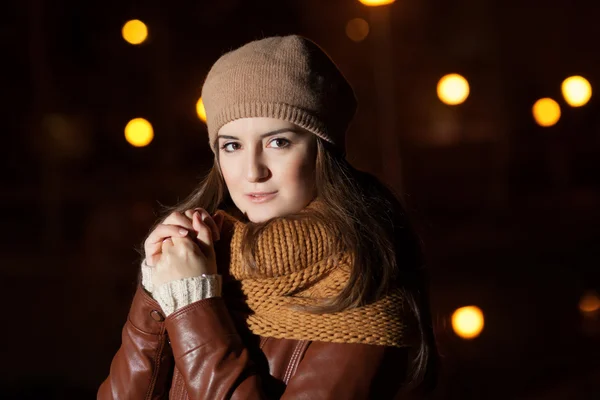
column 248, row 127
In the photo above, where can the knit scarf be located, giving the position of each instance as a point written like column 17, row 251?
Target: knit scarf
column 301, row 263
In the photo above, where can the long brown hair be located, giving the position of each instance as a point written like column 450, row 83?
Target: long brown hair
column 387, row 251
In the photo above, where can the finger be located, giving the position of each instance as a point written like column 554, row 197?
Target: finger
column 163, row 231
column 204, row 234
column 184, row 241
column 166, row 244
column 207, row 219
column 153, row 243
column 177, row 218
column 190, row 247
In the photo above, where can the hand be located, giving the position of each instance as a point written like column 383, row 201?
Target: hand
column 188, row 256
column 175, row 225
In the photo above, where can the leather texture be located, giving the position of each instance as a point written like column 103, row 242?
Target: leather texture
column 200, row 352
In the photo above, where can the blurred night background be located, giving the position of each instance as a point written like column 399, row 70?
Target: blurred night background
column 508, row 205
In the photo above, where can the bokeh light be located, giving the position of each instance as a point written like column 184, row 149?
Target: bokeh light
column 453, row 89
column 357, row 29
column 200, row 110
column 589, row 303
column 139, row 132
column 576, row 90
column 546, row 112
column 373, row 3
column 135, row 31
column 467, row 322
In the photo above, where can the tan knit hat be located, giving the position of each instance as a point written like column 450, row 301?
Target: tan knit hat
column 289, row 78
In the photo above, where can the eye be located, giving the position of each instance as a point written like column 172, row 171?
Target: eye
column 230, row 149
column 280, row 143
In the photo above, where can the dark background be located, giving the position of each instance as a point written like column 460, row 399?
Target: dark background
column 509, row 211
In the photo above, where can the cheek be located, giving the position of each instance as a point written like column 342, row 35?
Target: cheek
column 298, row 173
column 228, row 171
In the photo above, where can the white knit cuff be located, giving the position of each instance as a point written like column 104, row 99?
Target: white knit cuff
column 177, row 294
column 147, row 277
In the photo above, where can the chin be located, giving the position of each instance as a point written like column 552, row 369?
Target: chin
column 263, row 212
column 259, row 216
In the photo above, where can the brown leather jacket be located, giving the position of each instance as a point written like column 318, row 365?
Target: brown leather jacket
column 198, row 353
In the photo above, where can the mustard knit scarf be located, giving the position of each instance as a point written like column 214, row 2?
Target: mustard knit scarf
column 299, row 263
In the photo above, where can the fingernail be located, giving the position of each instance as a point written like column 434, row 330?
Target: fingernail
column 183, row 232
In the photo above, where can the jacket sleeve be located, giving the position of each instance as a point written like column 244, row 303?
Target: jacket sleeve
column 142, row 367
column 215, row 364
column 209, row 353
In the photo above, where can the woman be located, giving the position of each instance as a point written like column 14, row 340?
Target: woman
column 288, row 273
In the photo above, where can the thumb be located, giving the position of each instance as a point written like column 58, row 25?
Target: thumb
column 203, row 231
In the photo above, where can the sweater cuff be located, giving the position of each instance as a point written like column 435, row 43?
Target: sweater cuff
column 147, row 277
column 177, row 294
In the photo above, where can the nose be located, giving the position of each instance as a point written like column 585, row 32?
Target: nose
column 257, row 169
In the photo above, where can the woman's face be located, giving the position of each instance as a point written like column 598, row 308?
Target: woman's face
column 274, row 159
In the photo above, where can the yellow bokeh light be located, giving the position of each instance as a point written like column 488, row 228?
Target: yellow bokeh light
column 453, row 89
column 139, row 132
column 357, row 29
column 546, row 112
column 589, row 303
column 576, row 90
column 135, row 31
column 376, row 2
column 200, row 110
column 467, row 322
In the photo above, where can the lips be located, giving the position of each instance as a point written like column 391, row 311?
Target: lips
column 260, row 197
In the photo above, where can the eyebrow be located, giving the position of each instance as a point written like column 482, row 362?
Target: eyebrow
column 264, row 135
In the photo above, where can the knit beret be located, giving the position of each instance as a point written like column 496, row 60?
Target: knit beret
column 284, row 77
